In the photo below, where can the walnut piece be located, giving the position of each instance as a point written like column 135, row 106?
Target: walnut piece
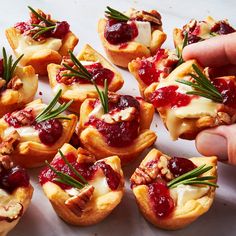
column 84, row 156
column 24, row 116
column 8, row 144
column 77, row 203
column 10, row 211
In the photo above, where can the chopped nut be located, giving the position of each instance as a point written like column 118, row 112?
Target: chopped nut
column 15, row 83
column 84, row 156
column 11, row 211
column 223, row 118
column 77, row 203
column 23, row 116
column 6, row 162
column 8, row 144
column 205, row 121
column 113, row 97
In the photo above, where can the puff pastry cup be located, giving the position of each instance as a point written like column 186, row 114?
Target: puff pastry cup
column 39, row 141
column 153, row 69
column 123, row 131
column 166, row 207
column 15, row 193
column 79, row 89
column 40, row 49
column 140, row 36
column 94, row 201
column 185, row 115
column 201, row 30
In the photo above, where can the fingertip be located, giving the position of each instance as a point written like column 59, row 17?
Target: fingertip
column 188, row 52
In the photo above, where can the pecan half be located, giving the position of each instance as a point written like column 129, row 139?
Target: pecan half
column 84, row 156
column 153, row 17
column 15, row 83
column 77, row 203
column 24, row 117
column 8, row 144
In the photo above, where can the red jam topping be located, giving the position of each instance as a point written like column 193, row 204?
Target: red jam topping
column 179, row 166
column 98, row 72
column 10, row 179
column 87, row 170
column 168, row 96
column 120, row 134
column 1, row 68
column 148, row 71
column 49, row 131
column 222, row 28
column 160, row 199
column 227, row 88
column 120, row 32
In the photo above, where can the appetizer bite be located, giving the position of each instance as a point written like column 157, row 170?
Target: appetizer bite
column 42, row 40
column 197, row 31
column 76, row 76
column 116, row 125
column 188, row 101
column 172, row 192
column 82, row 191
column 15, row 189
column 130, row 35
column 153, row 69
column 18, row 85
column 42, row 129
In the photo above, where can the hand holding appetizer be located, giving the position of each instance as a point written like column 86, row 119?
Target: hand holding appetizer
column 82, row 191
column 42, row 40
column 76, row 75
column 130, row 35
column 41, row 129
column 172, row 192
column 18, row 85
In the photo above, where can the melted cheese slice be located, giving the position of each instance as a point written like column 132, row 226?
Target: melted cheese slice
column 184, row 193
column 144, row 33
column 28, row 46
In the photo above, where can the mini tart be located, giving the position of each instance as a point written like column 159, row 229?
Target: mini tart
column 188, row 202
column 20, row 90
column 79, row 92
column 15, row 202
column 104, row 139
column 186, row 115
column 122, row 53
column 40, row 53
column 201, row 30
column 153, row 69
column 98, row 199
column 30, row 151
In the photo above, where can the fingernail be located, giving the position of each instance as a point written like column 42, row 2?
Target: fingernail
column 209, row 144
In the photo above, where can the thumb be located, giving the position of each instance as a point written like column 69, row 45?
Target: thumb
column 220, row 142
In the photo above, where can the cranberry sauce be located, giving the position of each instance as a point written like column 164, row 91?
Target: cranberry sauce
column 87, row 170
column 10, row 179
column 160, row 199
column 222, row 27
column 98, row 72
column 1, row 68
column 117, row 32
column 179, row 166
column 227, row 88
column 123, row 133
column 149, row 72
column 49, row 131
column 168, row 96
column 26, row 28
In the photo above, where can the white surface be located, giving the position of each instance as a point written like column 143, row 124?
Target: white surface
column 83, row 15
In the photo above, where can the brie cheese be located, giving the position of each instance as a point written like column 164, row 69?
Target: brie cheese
column 144, row 33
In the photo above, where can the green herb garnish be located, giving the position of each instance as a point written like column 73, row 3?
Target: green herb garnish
column 114, row 14
column 50, row 113
column 203, row 86
column 179, row 52
column 81, row 72
column 40, row 29
column 67, row 179
column 9, row 66
column 192, row 177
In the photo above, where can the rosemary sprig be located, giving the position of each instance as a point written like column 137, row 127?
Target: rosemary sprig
column 50, row 113
column 203, row 86
column 83, row 73
column 40, row 29
column 9, row 66
column 179, row 52
column 192, row 177
column 114, row 14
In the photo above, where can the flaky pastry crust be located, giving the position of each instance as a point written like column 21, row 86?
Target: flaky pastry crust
column 11, row 99
column 182, row 215
column 41, row 58
column 87, row 54
column 98, row 207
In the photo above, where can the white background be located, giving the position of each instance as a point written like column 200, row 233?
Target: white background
column 83, row 15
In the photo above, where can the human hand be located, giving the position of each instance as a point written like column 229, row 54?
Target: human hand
column 218, row 53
